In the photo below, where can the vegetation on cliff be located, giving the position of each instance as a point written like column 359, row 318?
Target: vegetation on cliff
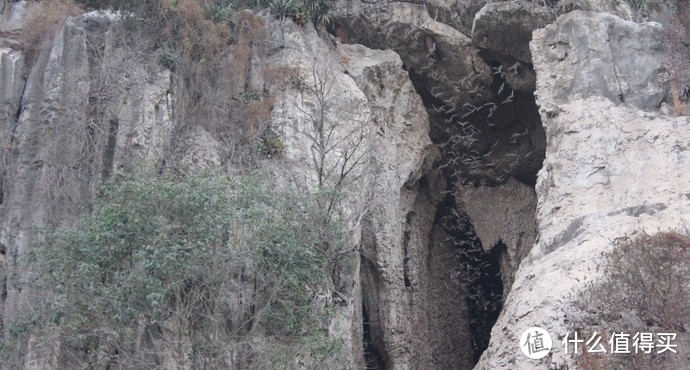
column 208, row 271
column 644, row 290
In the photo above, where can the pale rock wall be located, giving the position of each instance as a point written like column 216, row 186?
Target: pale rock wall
column 372, row 90
column 611, row 169
column 12, row 83
column 58, row 145
column 348, row 109
column 396, row 273
column 13, row 15
column 596, row 54
column 136, row 124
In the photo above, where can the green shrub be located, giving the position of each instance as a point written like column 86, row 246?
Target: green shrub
column 202, row 258
column 221, row 12
column 272, row 146
column 283, row 8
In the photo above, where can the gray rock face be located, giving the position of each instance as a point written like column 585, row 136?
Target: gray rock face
column 13, row 16
column 585, row 54
column 444, row 58
column 611, row 169
column 632, row 176
column 84, row 66
column 502, row 214
column 506, row 27
column 391, row 284
column 59, row 144
column 11, row 88
column 504, row 30
column 413, row 323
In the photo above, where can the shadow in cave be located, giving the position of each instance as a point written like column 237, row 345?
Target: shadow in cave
column 372, row 358
column 480, row 271
column 485, row 298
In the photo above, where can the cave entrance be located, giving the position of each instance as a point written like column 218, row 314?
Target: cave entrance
column 484, row 298
column 485, row 123
column 372, row 357
column 479, row 273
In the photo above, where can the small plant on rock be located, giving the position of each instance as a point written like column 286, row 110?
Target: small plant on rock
column 272, row 147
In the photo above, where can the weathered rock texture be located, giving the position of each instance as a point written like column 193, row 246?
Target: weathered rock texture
column 611, row 169
column 503, row 214
column 442, row 58
column 587, row 54
column 477, row 89
column 373, row 92
column 450, row 139
column 59, row 143
column 85, row 113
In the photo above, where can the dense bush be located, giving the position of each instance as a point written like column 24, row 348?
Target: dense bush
column 644, row 289
column 194, row 268
column 648, row 275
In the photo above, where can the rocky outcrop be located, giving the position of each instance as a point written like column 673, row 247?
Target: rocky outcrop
column 476, row 84
column 506, row 27
column 442, row 59
column 591, row 54
column 477, row 91
column 502, row 215
column 611, row 169
column 390, row 291
column 446, row 139
column 12, row 82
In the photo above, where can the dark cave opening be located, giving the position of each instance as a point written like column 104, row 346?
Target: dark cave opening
column 372, row 357
column 484, row 299
column 480, row 273
column 486, row 126
column 487, row 148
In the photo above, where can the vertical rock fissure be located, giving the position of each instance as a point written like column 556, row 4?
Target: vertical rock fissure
column 406, row 257
column 485, row 298
column 372, row 357
column 109, row 155
column 478, row 272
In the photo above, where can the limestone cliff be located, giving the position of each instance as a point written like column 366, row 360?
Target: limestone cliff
column 500, row 148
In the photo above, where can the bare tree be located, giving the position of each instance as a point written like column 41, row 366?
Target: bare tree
column 337, row 133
